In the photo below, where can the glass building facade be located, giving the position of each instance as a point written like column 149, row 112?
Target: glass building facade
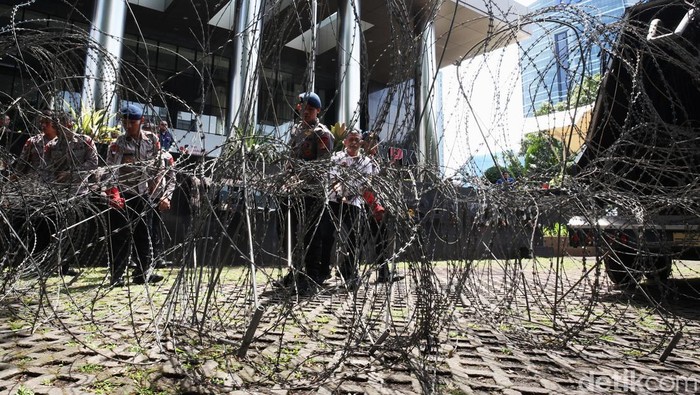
column 564, row 46
column 215, row 69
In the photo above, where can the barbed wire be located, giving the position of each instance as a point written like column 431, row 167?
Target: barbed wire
column 458, row 250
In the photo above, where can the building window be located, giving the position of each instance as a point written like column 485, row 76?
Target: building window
column 210, row 124
column 561, row 56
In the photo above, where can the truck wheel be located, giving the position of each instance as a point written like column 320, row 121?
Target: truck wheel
column 663, row 270
column 621, row 268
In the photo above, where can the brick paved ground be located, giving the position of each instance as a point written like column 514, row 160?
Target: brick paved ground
column 89, row 339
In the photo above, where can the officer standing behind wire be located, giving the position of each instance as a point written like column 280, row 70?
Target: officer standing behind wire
column 134, row 163
column 70, row 159
column 31, row 159
column 161, row 197
column 310, row 141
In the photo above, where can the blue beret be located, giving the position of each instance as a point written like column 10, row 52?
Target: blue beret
column 132, row 111
column 311, row 99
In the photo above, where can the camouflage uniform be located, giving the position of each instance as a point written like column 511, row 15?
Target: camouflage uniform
column 164, row 184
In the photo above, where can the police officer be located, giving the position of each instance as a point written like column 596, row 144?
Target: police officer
column 134, row 161
column 161, row 197
column 69, row 158
column 31, row 159
column 310, row 141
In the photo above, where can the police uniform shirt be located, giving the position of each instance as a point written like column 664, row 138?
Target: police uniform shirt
column 71, row 152
column 32, row 156
column 166, row 178
column 134, row 161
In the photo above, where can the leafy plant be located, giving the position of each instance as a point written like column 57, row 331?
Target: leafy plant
column 16, row 325
column 585, row 92
column 22, row 390
column 90, row 368
column 338, row 131
column 555, row 230
column 506, row 351
column 545, row 108
column 508, row 162
column 103, row 387
column 543, row 153
column 95, row 123
column 256, row 144
column 580, row 95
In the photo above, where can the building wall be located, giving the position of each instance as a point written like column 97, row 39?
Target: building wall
column 167, row 70
column 552, row 59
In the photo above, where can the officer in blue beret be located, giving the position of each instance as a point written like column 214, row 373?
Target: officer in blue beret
column 135, row 161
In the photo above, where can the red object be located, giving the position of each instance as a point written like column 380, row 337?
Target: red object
column 378, row 212
column 377, row 209
column 396, row 153
column 369, row 197
column 115, row 200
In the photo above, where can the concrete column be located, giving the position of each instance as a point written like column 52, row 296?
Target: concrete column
column 104, row 53
column 425, row 99
column 314, row 45
column 349, row 78
column 243, row 100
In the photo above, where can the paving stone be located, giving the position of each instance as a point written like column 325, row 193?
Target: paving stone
column 550, row 385
column 475, row 363
column 530, row 390
column 7, row 371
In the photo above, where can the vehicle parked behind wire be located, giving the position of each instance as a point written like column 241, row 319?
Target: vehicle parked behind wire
column 642, row 153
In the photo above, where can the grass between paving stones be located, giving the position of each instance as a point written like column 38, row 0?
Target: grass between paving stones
column 90, row 368
column 103, row 387
column 143, row 379
column 105, row 305
column 22, row 390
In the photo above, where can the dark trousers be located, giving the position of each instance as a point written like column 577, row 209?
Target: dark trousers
column 157, row 234
column 39, row 243
column 130, row 236
column 311, row 221
column 347, row 220
column 378, row 233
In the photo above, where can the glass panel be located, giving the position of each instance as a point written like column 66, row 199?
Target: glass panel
column 167, row 57
column 561, row 51
column 129, row 48
column 185, row 121
column 152, row 52
column 70, row 101
column 220, row 68
column 186, row 59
